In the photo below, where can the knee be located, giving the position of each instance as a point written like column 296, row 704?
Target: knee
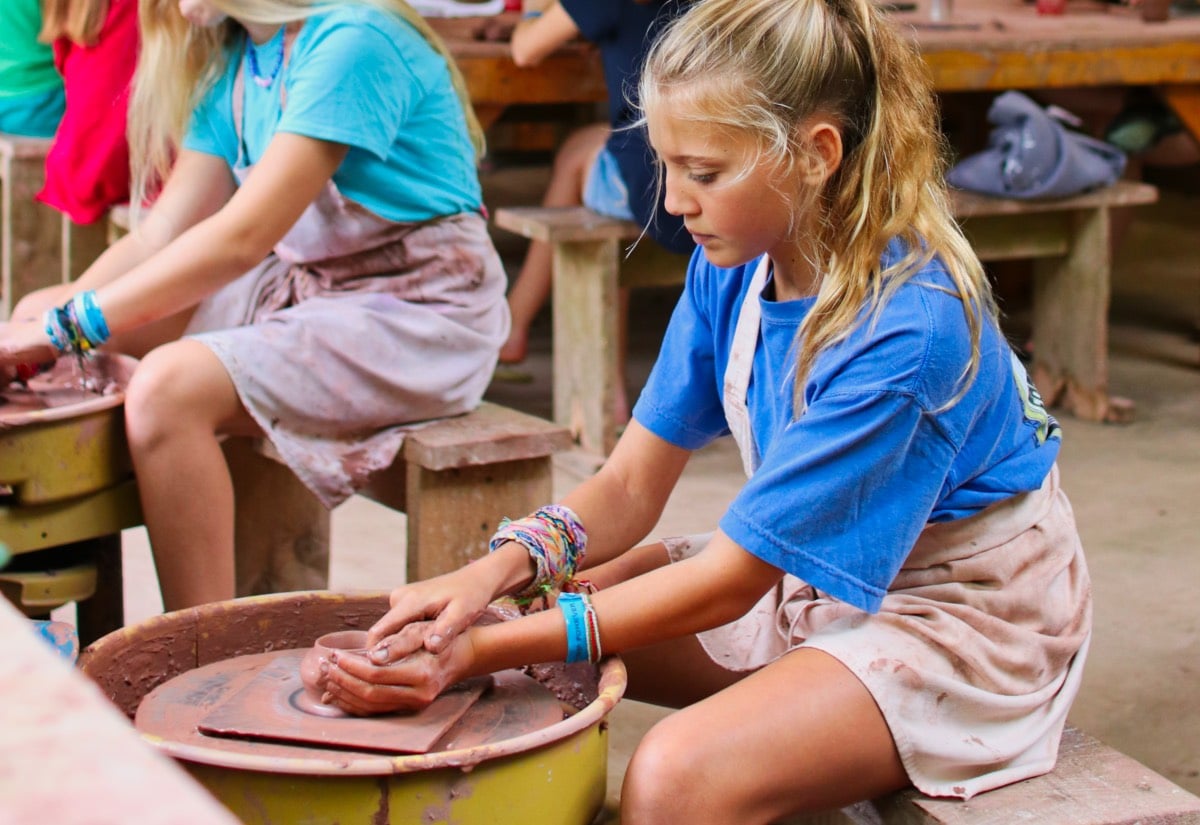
column 157, row 399
column 664, row 780
column 579, row 150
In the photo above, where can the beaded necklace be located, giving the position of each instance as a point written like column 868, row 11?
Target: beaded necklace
column 252, row 57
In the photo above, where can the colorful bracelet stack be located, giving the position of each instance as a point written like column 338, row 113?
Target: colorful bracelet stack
column 78, row 325
column 556, row 542
column 583, row 630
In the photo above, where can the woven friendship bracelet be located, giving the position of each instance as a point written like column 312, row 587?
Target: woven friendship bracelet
column 556, row 542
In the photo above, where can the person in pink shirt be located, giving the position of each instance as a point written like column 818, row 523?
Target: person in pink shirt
column 95, row 49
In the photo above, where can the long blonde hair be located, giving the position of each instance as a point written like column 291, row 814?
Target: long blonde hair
column 762, row 68
column 79, row 21
column 179, row 62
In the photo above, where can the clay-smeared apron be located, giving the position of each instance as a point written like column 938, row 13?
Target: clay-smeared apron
column 355, row 327
column 977, row 651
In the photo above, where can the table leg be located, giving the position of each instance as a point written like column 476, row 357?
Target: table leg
column 1185, row 102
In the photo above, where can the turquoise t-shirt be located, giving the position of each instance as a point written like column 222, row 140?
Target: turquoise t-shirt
column 362, row 77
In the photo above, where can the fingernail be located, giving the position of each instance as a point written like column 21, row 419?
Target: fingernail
column 326, row 698
column 324, row 668
column 435, row 640
column 379, row 655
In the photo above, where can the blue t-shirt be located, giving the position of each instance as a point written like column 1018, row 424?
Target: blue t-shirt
column 842, row 492
column 624, row 30
column 365, row 78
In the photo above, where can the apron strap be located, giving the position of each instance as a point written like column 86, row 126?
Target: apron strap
column 741, row 361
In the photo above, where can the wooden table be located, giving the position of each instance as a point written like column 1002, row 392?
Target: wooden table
column 985, row 46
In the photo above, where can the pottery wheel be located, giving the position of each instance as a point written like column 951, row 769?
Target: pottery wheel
column 247, row 704
column 65, row 391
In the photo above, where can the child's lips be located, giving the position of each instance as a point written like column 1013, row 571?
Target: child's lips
column 699, row 238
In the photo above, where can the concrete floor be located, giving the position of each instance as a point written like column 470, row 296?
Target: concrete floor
column 1135, row 489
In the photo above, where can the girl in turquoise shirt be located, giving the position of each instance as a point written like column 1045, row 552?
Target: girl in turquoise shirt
column 316, row 270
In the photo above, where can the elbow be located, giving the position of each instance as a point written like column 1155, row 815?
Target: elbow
column 522, row 59
column 241, row 246
column 525, row 52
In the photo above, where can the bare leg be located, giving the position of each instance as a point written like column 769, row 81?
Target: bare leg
column 810, row 729
column 178, row 402
column 532, row 285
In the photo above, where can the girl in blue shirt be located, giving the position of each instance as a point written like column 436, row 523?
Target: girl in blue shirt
column 898, row 594
column 318, row 243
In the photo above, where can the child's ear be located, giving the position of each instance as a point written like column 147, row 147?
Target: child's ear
column 824, row 142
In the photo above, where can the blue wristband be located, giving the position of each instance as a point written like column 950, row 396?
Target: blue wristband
column 574, row 610
column 92, row 318
column 532, row 14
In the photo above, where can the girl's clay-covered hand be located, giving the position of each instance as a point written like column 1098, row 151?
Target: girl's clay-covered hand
column 445, row 606
column 25, row 342
column 363, row 687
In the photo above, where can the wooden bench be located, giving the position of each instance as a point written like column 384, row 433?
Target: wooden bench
column 454, row 479
column 1068, row 238
column 39, row 246
column 1092, row 784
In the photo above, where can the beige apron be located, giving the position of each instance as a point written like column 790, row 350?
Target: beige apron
column 977, row 651
column 354, row 327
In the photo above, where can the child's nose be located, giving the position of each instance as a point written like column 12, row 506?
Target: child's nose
column 677, row 202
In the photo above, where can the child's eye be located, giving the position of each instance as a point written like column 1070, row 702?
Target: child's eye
column 702, row 177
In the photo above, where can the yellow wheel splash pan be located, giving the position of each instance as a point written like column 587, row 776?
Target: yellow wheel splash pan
column 555, row 774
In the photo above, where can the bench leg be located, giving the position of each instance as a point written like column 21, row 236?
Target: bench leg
column 30, row 233
column 81, row 246
column 281, row 530
column 585, row 341
column 440, row 540
column 1070, row 323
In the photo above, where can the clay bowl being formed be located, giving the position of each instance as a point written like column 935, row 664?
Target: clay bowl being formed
column 341, row 641
column 556, row 773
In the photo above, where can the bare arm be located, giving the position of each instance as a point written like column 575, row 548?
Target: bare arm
column 198, row 187
column 705, row 591
column 618, row 506
column 535, row 39
column 193, row 251
column 202, row 233
column 712, row 588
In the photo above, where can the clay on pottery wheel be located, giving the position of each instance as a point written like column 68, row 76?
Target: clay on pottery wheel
column 67, row 391
column 352, row 642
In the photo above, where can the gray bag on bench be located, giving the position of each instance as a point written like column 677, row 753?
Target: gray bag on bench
column 1031, row 154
